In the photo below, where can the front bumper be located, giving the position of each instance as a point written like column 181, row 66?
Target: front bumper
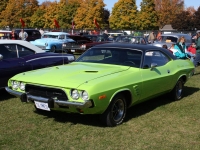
column 52, row 103
column 73, row 50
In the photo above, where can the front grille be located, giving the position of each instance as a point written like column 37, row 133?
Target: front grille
column 72, row 45
column 46, row 92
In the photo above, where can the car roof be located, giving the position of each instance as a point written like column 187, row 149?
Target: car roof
column 56, row 33
column 5, row 31
column 175, row 34
column 142, row 47
column 24, row 43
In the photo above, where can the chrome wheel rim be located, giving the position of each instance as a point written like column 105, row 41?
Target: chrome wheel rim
column 118, row 110
column 179, row 89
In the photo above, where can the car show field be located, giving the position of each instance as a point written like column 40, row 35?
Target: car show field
column 158, row 123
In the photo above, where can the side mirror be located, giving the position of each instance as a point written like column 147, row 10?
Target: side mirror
column 1, row 57
column 153, row 65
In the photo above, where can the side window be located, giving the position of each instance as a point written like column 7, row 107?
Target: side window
column 171, row 39
column 155, row 57
column 8, row 51
column 62, row 37
column 24, row 51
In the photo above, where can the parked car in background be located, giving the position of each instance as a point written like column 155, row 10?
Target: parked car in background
column 169, row 39
column 106, row 80
column 76, row 47
column 18, row 56
column 131, row 39
column 32, row 34
column 4, row 34
column 52, row 41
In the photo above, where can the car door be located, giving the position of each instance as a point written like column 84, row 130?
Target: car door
column 11, row 64
column 156, row 79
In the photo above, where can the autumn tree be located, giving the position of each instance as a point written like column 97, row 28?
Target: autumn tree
column 167, row 10
column 66, row 12
column 51, row 13
column 87, row 12
column 3, row 4
column 148, row 16
column 182, row 21
column 17, row 9
column 37, row 19
column 196, row 18
column 124, row 15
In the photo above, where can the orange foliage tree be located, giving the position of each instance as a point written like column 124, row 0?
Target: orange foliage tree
column 87, row 12
column 17, row 9
column 167, row 10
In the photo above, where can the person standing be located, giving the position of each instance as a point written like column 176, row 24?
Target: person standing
column 13, row 35
column 41, row 31
column 151, row 37
column 23, row 35
column 197, row 57
column 105, row 35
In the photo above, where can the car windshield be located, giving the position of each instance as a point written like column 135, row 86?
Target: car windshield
column 123, row 39
column 115, row 56
column 50, row 36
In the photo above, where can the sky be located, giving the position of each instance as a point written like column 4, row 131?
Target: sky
column 110, row 3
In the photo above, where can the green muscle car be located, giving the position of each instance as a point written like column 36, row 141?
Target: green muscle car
column 107, row 79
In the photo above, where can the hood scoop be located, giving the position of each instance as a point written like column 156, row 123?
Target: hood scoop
column 91, row 71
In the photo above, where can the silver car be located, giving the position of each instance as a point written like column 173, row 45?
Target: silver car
column 169, row 39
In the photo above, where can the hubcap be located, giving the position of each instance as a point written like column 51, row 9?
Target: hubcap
column 179, row 89
column 118, row 110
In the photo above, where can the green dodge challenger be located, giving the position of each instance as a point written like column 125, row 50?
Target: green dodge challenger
column 107, row 79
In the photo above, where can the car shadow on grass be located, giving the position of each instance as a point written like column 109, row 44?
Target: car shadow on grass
column 5, row 95
column 133, row 112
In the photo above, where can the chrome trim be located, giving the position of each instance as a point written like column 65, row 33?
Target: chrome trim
column 86, row 104
column 12, row 92
column 70, row 58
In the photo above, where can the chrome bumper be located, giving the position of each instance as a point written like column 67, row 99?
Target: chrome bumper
column 52, row 103
column 12, row 92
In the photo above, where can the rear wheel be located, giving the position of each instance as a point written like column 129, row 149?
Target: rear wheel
column 177, row 92
column 53, row 49
column 116, row 112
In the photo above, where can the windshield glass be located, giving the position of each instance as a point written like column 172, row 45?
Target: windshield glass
column 50, row 36
column 115, row 56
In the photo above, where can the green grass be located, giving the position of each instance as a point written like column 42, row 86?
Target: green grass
column 159, row 124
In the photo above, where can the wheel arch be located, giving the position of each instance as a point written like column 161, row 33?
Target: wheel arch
column 183, row 77
column 126, row 93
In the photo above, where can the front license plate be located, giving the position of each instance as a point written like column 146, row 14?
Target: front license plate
column 41, row 105
column 72, row 50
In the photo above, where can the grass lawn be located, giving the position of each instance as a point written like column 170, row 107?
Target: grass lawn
column 159, row 124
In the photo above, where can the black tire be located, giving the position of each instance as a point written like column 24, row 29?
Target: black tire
column 177, row 92
column 53, row 49
column 116, row 112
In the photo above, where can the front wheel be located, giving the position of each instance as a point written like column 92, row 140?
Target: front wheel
column 177, row 92
column 116, row 112
column 53, row 49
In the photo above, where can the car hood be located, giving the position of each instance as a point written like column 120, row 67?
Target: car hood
column 71, row 75
column 49, row 40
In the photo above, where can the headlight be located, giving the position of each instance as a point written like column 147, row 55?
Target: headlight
column 84, row 95
column 83, row 46
column 64, row 45
column 15, row 84
column 74, row 94
column 22, row 86
column 46, row 44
